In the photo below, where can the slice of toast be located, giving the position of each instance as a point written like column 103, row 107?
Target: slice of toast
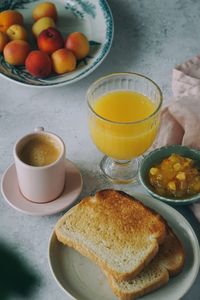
column 114, row 230
column 168, row 262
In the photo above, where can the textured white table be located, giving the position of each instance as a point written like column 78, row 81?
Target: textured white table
column 150, row 38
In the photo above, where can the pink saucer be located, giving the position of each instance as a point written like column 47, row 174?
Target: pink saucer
column 10, row 191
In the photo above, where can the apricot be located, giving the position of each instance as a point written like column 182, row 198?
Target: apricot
column 38, row 64
column 17, row 32
column 63, row 61
column 42, row 24
column 50, row 40
column 8, row 18
column 16, row 52
column 45, row 9
column 4, row 39
column 78, row 43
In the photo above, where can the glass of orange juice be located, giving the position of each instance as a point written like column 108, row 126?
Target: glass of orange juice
column 124, row 110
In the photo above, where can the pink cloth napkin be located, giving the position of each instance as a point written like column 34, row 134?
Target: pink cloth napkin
column 180, row 120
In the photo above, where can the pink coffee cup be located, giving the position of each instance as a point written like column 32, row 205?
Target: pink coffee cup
column 40, row 183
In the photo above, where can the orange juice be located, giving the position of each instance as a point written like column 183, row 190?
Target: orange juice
column 121, row 132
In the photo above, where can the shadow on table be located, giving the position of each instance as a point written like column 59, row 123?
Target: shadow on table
column 16, row 278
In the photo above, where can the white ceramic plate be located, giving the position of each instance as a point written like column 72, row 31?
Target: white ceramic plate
column 92, row 17
column 83, row 280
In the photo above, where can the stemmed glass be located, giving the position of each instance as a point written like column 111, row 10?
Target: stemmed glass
column 120, row 138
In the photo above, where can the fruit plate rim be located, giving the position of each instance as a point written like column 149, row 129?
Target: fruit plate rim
column 24, row 78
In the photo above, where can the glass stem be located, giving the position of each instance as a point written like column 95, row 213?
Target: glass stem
column 122, row 162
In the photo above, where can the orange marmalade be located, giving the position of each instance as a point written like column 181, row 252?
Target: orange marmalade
column 176, row 176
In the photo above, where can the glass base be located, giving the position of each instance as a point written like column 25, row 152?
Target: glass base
column 120, row 171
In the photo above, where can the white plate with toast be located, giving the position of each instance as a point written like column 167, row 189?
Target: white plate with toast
column 81, row 279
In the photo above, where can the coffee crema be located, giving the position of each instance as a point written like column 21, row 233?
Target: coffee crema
column 40, row 150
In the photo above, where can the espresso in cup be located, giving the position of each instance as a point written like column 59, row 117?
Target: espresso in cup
column 40, row 165
column 40, row 150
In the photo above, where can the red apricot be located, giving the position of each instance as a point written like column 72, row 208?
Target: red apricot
column 63, row 61
column 16, row 52
column 50, row 40
column 38, row 64
column 78, row 43
column 45, row 9
column 10, row 17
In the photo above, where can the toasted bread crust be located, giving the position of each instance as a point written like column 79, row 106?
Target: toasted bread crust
column 172, row 253
column 131, row 296
column 112, row 222
column 101, row 263
column 168, row 262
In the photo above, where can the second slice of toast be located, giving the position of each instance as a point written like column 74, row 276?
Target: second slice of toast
column 114, row 230
column 168, row 262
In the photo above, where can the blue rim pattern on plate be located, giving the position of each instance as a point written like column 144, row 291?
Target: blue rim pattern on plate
column 86, row 8
column 20, row 75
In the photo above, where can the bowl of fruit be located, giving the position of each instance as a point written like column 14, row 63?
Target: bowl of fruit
column 46, row 44
column 172, row 174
